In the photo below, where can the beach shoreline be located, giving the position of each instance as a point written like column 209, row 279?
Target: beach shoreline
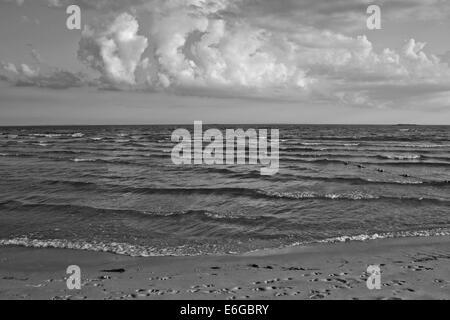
column 411, row 268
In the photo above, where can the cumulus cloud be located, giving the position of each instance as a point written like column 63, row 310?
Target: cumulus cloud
column 193, row 47
column 114, row 49
column 196, row 46
column 262, row 48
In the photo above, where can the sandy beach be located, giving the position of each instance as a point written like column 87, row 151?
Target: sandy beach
column 411, row 268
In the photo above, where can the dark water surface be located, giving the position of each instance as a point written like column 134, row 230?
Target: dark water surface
column 115, row 188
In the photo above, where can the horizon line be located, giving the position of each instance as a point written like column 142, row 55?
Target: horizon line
column 214, row 123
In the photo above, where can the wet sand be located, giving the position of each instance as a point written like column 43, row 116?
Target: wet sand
column 411, row 268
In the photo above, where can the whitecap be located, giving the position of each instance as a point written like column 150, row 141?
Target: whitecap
column 77, row 135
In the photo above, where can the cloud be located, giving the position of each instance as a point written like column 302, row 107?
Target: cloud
column 199, row 48
column 114, row 49
column 24, row 75
column 285, row 49
column 194, row 48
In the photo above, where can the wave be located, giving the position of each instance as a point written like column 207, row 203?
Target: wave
column 357, row 154
column 416, row 139
column 55, row 135
column 97, row 246
column 362, row 181
column 388, row 235
column 355, row 196
column 360, row 151
column 346, row 144
column 42, row 144
column 253, row 193
column 108, row 212
column 375, row 163
column 364, row 144
column 329, row 196
column 134, row 250
column 77, row 135
column 257, row 193
column 426, row 146
column 17, row 155
column 401, row 157
column 46, row 135
column 85, row 160
column 311, row 143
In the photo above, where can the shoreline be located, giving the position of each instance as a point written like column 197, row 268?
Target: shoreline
column 411, row 268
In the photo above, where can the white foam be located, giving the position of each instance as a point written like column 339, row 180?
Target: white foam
column 356, row 195
column 97, row 246
column 78, row 135
column 387, row 235
column 404, row 157
column 83, row 160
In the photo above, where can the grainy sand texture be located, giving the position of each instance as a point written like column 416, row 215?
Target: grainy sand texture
column 411, row 268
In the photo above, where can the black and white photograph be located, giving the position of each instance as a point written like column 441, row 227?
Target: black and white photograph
column 224, row 150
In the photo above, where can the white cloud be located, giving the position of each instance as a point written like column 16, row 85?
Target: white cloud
column 193, row 48
column 114, row 49
column 262, row 48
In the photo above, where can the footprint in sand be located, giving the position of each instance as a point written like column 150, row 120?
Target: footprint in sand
column 159, row 278
column 121, row 270
column 280, row 294
column 398, row 282
column 389, row 298
column 394, row 283
column 342, row 274
column 238, row 298
column 311, row 274
column 270, row 281
column 442, row 283
column 201, row 289
column 319, row 294
column 417, row 268
column 67, row 297
column 259, row 267
column 142, row 293
column 264, row 288
column 293, row 269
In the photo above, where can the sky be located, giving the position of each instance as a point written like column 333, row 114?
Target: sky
column 224, row 61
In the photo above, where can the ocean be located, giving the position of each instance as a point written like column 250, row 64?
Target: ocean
column 115, row 189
